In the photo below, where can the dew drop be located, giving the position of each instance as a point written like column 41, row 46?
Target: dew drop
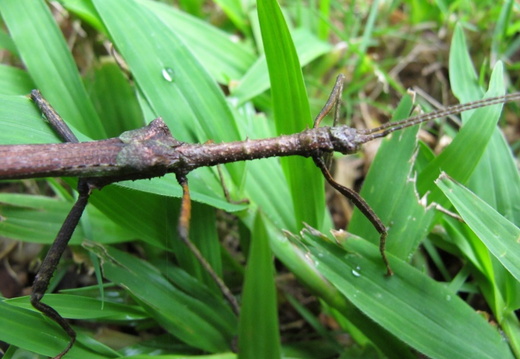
column 167, row 74
column 357, row 272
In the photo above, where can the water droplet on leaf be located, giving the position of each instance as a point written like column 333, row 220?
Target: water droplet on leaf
column 168, row 74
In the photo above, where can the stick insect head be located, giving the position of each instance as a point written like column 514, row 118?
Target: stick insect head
column 346, row 140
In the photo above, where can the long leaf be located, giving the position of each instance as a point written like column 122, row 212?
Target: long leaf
column 291, row 111
column 390, row 190
column 498, row 234
column 50, row 63
column 34, row 332
column 410, row 305
column 259, row 335
column 196, row 323
column 496, row 178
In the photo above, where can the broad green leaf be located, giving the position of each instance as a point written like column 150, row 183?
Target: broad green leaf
column 412, row 306
column 496, row 179
column 22, row 123
column 49, row 62
column 80, row 307
column 218, row 53
column 390, row 191
column 184, row 356
column 38, row 219
column 259, row 335
column 223, row 57
column 14, row 81
column 460, row 158
column 255, row 81
column 119, row 108
column 291, row 112
column 32, row 331
column 185, row 317
column 289, row 249
column 498, row 234
column 173, row 82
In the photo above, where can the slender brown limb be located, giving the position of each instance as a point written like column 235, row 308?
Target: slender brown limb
column 183, row 231
column 48, row 267
column 390, row 127
column 363, row 206
column 54, row 119
column 333, row 101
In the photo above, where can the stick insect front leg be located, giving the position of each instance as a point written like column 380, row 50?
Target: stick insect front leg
column 48, row 267
column 322, row 162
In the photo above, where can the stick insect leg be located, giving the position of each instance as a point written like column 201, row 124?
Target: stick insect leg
column 333, row 101
column 363, row 206
column 48, row 267
column 183, row 230
column 225, row 189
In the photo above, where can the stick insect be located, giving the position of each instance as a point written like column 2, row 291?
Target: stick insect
column 152, row 151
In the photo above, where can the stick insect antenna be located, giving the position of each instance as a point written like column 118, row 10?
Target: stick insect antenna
column 390, row 127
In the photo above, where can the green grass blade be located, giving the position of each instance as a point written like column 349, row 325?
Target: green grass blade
column 32, row 331
column 461, row 157
column 236, row 11
column 291, row 112
column 464, row 82
column 295, row 257
column 496, row 179
column 255, row 81
column 81, row 307
column 498, row 234
column 14, row 81
column 224, row 58
column 50, row 63
column 120, row 108
column 37, row 219
column 7, row 43
column 390, row 190
column 22, row 123
column 410, row 305
column 259, row 335
column 198, row 324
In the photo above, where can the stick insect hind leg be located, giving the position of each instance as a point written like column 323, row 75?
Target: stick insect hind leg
column 183, row 232
column 323, row 162
column 48, row 267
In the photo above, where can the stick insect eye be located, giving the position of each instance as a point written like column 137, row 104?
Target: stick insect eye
column 344, row 139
